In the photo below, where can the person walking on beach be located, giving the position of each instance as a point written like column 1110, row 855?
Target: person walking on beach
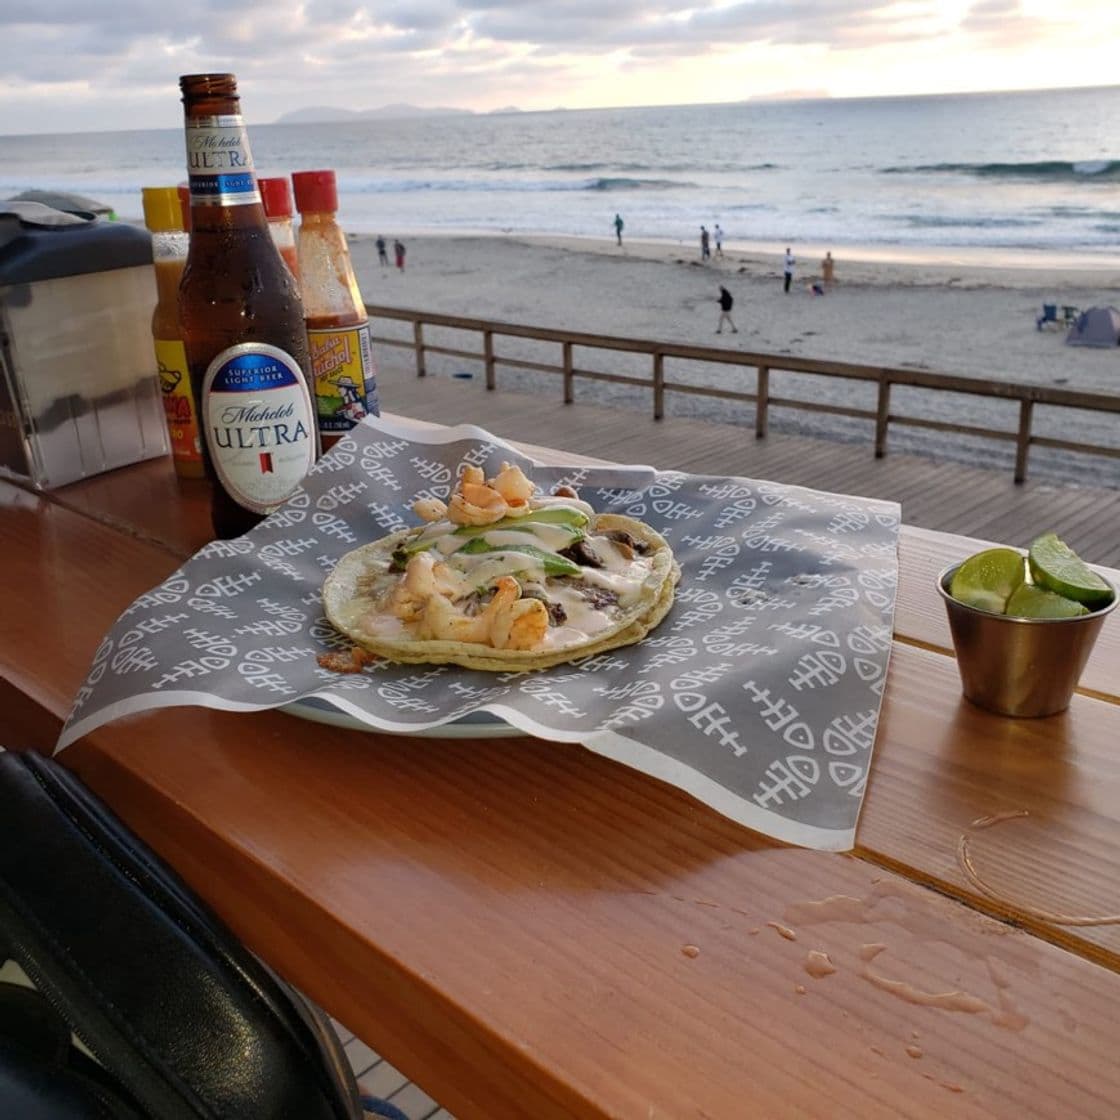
column 618, row 224
column 718, row 234
column 705, row 244
column 789, row 268
column 726, row 302
column 398, row 249
column 382, row 256
column 828, row 267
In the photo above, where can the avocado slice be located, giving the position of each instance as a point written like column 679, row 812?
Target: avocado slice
column 547, row 515
column 553, row 563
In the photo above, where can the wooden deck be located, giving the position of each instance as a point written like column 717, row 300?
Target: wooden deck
column 934, row 495
column 380, row 1079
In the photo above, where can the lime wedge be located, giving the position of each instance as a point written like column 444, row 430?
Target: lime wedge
column 988, row 579
column 1032, row 601
column 1056, row 566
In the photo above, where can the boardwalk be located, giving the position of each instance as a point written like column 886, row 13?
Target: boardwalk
column 945, row 496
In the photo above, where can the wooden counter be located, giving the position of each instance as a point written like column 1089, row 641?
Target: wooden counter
column 530, row 930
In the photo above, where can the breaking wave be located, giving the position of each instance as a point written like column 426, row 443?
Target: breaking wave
column 1051, row 170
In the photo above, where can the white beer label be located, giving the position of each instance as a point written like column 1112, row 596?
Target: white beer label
column 259, row 423
column 219, row 163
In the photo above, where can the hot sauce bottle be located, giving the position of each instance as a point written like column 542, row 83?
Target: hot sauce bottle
column 163, row 216
column 242, row 322
column 345, row 380
column 277, row 201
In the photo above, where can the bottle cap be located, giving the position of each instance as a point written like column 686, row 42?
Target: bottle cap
column 162, row 212
column 276, row 197
column 316, row 192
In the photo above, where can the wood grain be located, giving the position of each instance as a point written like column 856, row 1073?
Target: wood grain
column 941, row 764
column 508, row 922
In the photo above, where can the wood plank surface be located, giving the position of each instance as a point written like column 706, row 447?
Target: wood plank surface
column 942, row 764
column 934, row 495
column 479, row 911
column 442, row 902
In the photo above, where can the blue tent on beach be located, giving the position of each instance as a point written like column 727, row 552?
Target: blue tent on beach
column 1099, row 326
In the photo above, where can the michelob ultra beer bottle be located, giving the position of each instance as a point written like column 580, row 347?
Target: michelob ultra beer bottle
column 242, row 321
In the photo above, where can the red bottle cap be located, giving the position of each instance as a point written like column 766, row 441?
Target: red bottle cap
column 316, row 192
column 276, row 197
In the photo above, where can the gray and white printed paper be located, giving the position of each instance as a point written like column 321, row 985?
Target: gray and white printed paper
column 759, row 693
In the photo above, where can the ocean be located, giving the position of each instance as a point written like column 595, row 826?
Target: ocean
column 1032, row 172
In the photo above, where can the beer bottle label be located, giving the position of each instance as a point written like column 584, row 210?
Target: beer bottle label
column 178, row 401
column 259, row 423
column 219, row 163
column 345, row 376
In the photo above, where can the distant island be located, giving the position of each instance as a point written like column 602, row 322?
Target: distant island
column 327, row 114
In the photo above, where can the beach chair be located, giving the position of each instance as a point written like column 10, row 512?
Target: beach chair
column 1070, row 314
column 1049, row 315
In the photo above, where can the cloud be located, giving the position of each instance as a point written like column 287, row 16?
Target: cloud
column 59, row 56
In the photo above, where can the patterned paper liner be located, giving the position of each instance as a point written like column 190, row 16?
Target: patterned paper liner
column 759, row 694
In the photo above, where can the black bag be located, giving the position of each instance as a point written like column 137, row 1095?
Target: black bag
column 184, row 1022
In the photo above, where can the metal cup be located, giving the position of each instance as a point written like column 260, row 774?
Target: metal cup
column 1019, row 666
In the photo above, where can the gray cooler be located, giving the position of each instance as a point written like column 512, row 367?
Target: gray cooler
column 78, row 390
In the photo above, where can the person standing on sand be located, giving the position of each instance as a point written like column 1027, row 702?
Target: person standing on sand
column 382, row 256
column 828, row 266
column 726, row 302
column 718, row 233
column 705, row 244
column 618, row 224
column 789, row 268
column 398, row 249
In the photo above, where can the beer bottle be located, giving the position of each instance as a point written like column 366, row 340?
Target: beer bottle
column 344, row 378
column 242, row 321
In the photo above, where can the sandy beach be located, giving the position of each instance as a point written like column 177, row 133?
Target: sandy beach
column 953, row 314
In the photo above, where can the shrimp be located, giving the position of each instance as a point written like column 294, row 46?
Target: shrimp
column 519, row 625
column 442, row 622
column 507, row 622
column 424, row 579
column 512, row 484
column 429, row 509
column 476, row 504
column 512, row 622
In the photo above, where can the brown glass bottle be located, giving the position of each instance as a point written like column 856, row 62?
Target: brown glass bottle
column 242, row 321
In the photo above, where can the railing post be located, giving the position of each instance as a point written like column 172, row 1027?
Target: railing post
column 569, row 375
column 418, row 343
column 762, row 403
column 1023, row 443
column 658, row 385
column 882, row 417
column 488, row 356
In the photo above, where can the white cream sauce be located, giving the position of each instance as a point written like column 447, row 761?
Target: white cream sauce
column 623, row 576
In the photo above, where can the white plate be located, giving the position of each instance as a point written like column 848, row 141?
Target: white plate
column 476, row 725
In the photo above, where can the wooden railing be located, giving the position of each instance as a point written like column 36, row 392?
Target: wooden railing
column 885, row 377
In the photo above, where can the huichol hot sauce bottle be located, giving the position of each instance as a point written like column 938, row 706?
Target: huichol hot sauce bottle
column 163, row 215
column 345, row 379
column 242, row 321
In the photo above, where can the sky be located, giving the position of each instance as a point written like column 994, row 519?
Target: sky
column 69, row 65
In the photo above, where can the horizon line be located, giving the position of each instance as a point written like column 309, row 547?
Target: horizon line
column 757, row 99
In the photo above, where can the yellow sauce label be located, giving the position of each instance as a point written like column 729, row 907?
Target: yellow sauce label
column 178, row 401
column 345, row 377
